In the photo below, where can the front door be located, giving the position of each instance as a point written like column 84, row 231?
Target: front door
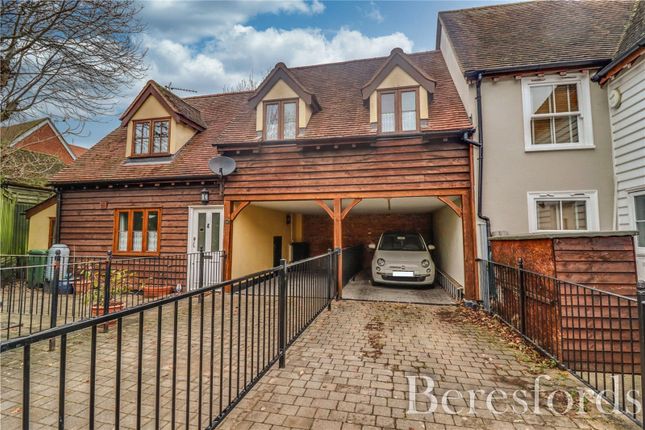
column 205, row 231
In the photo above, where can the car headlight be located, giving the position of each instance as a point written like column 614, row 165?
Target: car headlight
column 425, row 263
column 380, row 262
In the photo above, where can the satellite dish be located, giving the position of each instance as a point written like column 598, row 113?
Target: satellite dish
column 221, row 165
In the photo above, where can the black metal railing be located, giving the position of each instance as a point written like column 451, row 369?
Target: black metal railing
column 352, row 262
column 596, row 335
column 452, row 287
column 184, row 360
column 46, row 291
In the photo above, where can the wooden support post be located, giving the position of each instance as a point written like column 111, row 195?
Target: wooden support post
column 338, row 240
column 470, row 265
column 228, row 238
column 231, row 211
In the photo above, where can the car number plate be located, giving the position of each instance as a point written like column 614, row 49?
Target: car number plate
column 405, row 274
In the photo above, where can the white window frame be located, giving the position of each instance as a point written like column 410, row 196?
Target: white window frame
column 640, row 250
column 590, row 197
column 585, row 123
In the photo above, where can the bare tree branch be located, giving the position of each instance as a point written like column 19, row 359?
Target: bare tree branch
column 67, row 59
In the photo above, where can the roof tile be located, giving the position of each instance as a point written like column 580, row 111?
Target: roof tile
column 535, row 33
column 230, row 118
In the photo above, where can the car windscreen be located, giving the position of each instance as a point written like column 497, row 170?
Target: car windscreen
column 401, row 242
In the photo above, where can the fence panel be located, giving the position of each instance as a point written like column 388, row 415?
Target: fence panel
column 183, row 360
column 33, row 291
column 592, row 333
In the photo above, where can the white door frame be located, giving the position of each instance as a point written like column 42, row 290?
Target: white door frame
column 640, row 251
column 212, row 266
column 194, row 210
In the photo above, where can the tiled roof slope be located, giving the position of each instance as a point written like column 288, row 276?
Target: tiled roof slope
column 77, row 150
column 11, row 132
column 635, row 29
column 536, row 32
column 338, row 86
column 180, row 106
column 105, row 161
column 231, row 119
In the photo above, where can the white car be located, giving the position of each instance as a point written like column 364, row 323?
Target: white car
column 402, row 259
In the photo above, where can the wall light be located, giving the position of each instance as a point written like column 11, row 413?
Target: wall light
column 204, row 196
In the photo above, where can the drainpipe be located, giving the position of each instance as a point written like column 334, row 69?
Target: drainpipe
column 480, row 185
column 59, row 203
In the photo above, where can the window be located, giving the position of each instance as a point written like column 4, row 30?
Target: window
column 639, row 219
column 401, row 242
column 398, row 110
column 563, row 211
column 280, row 120
column 151, row 137
column 557, row 113
column 136, row 231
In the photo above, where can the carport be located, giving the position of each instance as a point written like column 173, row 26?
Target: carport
column 295, row 229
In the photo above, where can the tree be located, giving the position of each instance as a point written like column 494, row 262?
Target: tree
column 67, row 59
column 246, row 84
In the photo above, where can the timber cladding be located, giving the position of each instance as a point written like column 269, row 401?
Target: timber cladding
column 87, row 216
column 604, row 262
column 402, row 166
column 589, row 323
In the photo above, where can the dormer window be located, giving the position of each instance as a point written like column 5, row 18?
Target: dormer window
column 281, row 119
column 398, row 110
column 151, row 137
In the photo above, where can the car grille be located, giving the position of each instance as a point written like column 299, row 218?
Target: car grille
column 404, row 278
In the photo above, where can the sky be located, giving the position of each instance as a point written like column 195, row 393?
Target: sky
column 210, row 46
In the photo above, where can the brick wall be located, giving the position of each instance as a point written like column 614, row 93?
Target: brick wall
column 361, row 229
column 45, row 140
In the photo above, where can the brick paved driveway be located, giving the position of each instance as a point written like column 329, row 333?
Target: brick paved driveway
column 348, row 370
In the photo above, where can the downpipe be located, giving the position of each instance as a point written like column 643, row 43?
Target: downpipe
column 479, row 143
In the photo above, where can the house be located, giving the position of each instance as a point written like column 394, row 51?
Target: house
column 329, row 155
column 523, row 74
column 624, row 79
column 31, row 153
column 332, row 155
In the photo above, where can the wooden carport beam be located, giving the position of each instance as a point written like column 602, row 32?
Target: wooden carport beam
column 350, row 207
column 239, row 209
column 452, row 205
column 323, row 205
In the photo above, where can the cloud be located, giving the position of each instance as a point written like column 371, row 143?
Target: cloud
column 208, row 46
column 226, row 60
column 374, row 13
column 191, row 21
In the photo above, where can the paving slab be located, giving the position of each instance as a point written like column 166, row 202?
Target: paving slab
column 358, row 355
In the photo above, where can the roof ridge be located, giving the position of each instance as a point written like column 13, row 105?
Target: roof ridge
column 358, row 60
column 628, row 23
column 228, row 93
column 495, row 6
column 32, row 121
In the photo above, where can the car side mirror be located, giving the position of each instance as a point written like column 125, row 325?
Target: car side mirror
column 372, row 246
column 431, row 248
